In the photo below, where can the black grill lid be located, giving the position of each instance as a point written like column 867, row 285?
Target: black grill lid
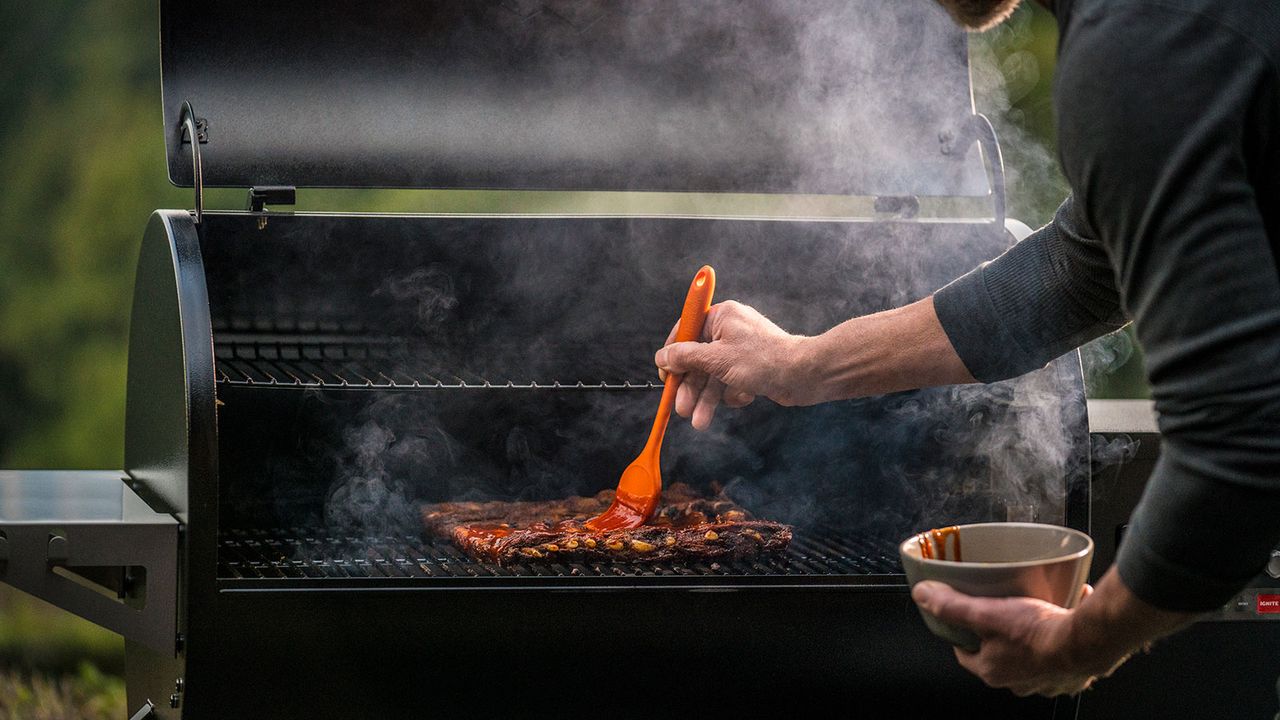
column 848, row 97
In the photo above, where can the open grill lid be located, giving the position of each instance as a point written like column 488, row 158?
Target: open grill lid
column 849, row 97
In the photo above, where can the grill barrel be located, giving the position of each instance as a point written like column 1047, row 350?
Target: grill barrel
column 274, row 597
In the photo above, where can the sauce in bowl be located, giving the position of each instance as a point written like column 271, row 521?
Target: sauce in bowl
column 933, row 543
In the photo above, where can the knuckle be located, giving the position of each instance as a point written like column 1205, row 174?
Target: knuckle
column 946, row 608
column 993, row 677
column 975, row 664
column 685, row 355
column 721, row 366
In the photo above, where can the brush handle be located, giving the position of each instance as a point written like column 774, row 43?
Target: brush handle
column 697, row 302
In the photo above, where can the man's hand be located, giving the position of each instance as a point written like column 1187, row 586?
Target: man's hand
column 1033, row 647
column 742, row 355
column 1026, row 643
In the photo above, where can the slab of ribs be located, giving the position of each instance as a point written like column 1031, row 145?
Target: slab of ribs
column 686, row 527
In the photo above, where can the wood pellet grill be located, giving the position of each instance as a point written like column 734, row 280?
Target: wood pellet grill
column 299, row 382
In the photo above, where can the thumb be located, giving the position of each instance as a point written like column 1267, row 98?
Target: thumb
column 682, row 357
column 949, row 606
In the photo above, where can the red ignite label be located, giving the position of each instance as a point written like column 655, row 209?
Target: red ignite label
column 1269, row 603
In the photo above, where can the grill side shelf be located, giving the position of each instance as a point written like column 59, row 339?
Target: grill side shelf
column 84, row 541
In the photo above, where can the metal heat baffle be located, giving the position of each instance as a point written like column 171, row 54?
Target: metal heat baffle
column 84, row 541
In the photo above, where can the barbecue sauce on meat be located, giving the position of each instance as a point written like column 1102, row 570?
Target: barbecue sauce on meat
column 489, row 532
column 625, row 512
column 690, row 528
column 933, row 543
column 494, row 531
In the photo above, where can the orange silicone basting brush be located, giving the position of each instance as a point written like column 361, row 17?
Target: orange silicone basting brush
column 641, row 483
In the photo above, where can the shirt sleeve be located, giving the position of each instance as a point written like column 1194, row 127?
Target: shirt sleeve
column 1158, row 117
column 1048, row 294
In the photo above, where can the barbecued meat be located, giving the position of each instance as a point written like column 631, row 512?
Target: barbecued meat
column 687, row 526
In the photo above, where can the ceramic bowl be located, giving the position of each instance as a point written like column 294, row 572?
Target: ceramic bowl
column 1004, row 559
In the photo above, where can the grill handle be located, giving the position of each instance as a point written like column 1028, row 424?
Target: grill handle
column 977, row 128
column 193, row 133
column 986, row 135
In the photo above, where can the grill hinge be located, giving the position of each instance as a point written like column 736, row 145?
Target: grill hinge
column 261, row 197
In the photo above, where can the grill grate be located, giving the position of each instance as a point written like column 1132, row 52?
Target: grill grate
column 301, row 554
column 359, row 364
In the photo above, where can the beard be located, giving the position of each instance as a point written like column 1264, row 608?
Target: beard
column 979, row 14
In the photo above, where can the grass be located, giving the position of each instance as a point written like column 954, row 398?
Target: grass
column 88, row 694
column 35, row 635
column 56, row 666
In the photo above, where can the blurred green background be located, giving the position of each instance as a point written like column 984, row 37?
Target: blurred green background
column 82, row 166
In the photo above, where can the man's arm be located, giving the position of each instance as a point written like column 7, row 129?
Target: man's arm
column 1043, row 297
column 744, row 355
column 1164, row 125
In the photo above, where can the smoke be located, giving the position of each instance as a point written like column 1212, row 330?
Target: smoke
column 395, row 453
column 515, row 302
column 368, row 500
column 1106, row 452
column 427, row 292
column 1105, row 355
column 1030, row 457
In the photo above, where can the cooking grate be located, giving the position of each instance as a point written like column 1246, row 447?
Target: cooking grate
column 358, row 363
column 302, row 554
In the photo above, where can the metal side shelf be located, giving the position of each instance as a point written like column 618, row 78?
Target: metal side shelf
column 83, row 540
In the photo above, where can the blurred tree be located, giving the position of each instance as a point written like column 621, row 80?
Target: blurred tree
column 80, row 163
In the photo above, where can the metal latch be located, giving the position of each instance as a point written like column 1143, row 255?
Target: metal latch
column 261, row 197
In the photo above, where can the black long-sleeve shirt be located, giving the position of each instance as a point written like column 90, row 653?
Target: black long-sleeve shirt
column 1169, row 134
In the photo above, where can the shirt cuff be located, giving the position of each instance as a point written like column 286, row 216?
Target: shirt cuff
column 976, row 330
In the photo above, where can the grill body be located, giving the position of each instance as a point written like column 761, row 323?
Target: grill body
column 640, row 653
column 285, row 345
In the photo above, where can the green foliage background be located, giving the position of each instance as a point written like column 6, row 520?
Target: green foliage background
column 82, row 166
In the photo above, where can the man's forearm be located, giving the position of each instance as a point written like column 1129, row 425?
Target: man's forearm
column 1113, row 623
column 900, row 349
